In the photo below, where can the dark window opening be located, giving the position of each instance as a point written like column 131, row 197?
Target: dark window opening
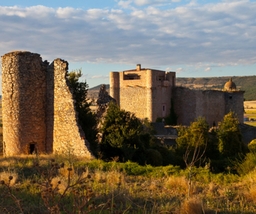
column 160, row 78
column 131, row 77
column 32, row 148
column 230, row 97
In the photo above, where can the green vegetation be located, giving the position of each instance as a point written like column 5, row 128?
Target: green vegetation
column 218, row 149
column 126, row 137
column 230, row 139
column 55, row 184
column 87, row 118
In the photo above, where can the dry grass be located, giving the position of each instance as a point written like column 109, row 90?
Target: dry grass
column 192, row 206
column 9, row 178
column 176, row 184
column 55, row 185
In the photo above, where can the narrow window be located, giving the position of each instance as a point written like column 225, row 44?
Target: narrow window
column 164, row 111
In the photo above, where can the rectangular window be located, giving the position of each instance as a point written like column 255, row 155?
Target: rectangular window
column 163, row 110
column 131, row 77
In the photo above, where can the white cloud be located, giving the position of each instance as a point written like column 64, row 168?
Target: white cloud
column 132, row 4
column 99, row 77
column 179, row 70
column 153, row 2
column 207, row 69
column 220, row 33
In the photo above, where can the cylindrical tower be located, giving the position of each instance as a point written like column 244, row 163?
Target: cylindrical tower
column 23, row 103
column 114, row 86
column 149, row 94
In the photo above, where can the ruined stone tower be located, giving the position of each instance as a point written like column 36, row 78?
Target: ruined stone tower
column 38, row 108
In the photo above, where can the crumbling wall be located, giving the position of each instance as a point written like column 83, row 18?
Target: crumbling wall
column 68, row 136
column 38, row 108
column 23, row 103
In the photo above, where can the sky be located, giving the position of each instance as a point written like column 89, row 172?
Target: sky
column 203, row 38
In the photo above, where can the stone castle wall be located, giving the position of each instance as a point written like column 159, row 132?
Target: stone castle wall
column 38, row 108
column 145, row 92
column 138, row 104
column 213, row 105
column 148, row 94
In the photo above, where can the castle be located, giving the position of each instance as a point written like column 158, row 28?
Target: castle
column 148, row 93
column 38, row 108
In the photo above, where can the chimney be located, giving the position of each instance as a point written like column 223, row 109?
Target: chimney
column 138, row 67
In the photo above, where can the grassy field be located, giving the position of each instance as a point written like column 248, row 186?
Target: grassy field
column 57, row 184
column 54, row 184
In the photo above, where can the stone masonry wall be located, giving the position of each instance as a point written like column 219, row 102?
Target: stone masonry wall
column 23, row 103
column 68, row 136
column 38, row 108
column 148, row 95
column 133, row 99
column 213, row 105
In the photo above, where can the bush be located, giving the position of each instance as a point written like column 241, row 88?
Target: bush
column 247, row 165
column 154, row 157
column 132, row 168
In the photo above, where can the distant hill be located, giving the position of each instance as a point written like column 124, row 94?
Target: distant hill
column 244, row 83
column 94, row 92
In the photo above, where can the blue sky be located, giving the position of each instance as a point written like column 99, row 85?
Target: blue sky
column 194, row 38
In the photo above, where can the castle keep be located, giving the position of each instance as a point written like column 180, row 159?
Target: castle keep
column 148, row 93
column 38, row 108
column 143, row 91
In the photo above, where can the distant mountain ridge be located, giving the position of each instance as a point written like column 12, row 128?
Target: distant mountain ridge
column 244, row 83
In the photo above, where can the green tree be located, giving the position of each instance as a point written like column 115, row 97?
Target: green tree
column 191, row 145
column 192, row 139
column 86, row 117
column 230, row 143
column 195, row 134
column 124, row 135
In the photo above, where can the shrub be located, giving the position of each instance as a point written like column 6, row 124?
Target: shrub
column 247, row 165
column 154, row 157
